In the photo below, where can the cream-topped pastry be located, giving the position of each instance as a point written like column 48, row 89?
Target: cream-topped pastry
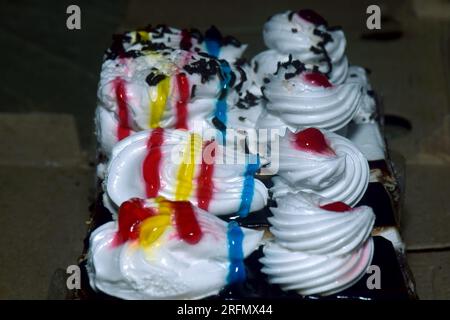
column 298, row 98
column 320, row 162
column 160, row 249
column 170, row 89
column 180, row 165
column 320, row 247
column 305, row 36
column 211, row 42
column 310, row 274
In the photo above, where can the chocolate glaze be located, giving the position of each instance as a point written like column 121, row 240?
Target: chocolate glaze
column 378, row 198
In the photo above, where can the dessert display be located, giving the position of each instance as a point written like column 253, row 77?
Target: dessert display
column 186, row 207
column 180, row 166
column 167, row 249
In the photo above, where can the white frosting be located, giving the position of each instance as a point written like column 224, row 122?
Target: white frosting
column 367, row 137
column 367, row 111
column 170, row 268
column 106, row 125
column 299, row 224
column 295, row 37
column 125, row 174
column 340, row 177
column 140, row 97
column 310, row 274
column 299, row 104
column 171, row 37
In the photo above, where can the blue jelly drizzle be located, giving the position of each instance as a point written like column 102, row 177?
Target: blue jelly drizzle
column 249, row 187
column 221, row 105
column 236, row 272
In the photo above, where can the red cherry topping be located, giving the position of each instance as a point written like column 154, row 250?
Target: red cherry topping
column 131, row 214
column 317, row 79
column 312, row 16
column 312, row 140
column 336, row 206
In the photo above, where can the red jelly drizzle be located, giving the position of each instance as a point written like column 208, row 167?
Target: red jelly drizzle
column 317, row 79
column 312, row 16
column 131, row 214
column 204, row 181
column 123, row 129
column 336, row 206
column 151, row 163
column 313, row 140
column 185, row 42
column 184, row 94
column 186, row 223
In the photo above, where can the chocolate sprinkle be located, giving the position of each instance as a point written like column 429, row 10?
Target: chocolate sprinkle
column 249, row 100
column 218, row 124
column 153, row 79
column 321, row 50
column 205, row 68
column 194, row 87
column 243, row 78
column 255, row 66
column 297, row 64
column 291, row 15
column 294, row 30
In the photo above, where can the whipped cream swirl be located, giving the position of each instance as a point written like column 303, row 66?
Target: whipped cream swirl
column 301, row 222
column 319, row 247
column 178, row 165
column 303, row 99
column 305, row 36
column 335, row 169
column 165, row 266
column 310, row 274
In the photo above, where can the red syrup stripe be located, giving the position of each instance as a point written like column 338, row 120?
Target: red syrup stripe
column 185, row 42
column 151, row 164
column 186, row 223
column 131, row 215
column 205, row 184
column 184, row 94
column 123, row 128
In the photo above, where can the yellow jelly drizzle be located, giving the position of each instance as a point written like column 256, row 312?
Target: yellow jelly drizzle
column 153, row 227
column 158, row 103
column 187, row 167
column 145, row 36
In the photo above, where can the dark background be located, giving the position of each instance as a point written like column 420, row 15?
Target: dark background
column 48, row 80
